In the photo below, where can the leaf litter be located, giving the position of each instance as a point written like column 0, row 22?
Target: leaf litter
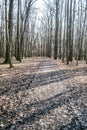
column 43, row 94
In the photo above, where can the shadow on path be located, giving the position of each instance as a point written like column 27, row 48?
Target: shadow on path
column 44, row 107
column 46, row 78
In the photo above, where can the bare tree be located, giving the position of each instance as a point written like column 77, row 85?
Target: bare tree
column 9, row 30
column 56, row 31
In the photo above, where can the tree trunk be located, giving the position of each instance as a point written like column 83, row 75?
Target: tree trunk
column 18, row 33
column 56, row 32
column 9, row 27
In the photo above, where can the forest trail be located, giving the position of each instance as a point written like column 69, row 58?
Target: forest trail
column 48, row 98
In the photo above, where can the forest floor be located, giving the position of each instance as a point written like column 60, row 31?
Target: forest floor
column 43, row 94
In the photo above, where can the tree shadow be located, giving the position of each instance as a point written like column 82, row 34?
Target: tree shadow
column 73, row 125
column 57, row 76
column 41, row 79
column 42, row 108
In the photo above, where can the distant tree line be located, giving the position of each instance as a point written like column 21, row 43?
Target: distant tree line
column 61, row 32
column 17, row 26
column 65, row 30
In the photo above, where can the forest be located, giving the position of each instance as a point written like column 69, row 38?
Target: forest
column 43, row 64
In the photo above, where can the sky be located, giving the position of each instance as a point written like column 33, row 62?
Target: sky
column 40, row 5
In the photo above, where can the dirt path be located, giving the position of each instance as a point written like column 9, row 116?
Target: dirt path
column 51, row 100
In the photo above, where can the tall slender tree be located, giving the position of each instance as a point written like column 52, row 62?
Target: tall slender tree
column 56, row 31
column 9, row 31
